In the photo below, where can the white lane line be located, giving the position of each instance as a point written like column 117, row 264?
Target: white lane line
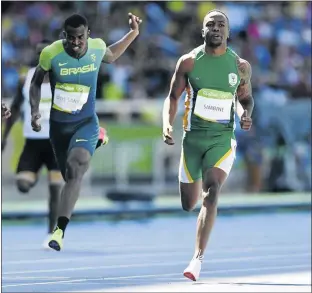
column 150, row 264
column 160, row 275
column 132, row 247
column 302, row 248
column 32, row 277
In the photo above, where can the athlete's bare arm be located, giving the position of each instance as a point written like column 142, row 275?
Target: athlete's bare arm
column 35, row 96
column 177, row 86
column 114, row 51
column 244, row 94
column 15, row 110
column 244, row 91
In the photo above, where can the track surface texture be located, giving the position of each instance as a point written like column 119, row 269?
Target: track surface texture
column 269, row 252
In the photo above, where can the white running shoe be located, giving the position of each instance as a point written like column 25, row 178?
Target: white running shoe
column 45, row 244
column 193, row 270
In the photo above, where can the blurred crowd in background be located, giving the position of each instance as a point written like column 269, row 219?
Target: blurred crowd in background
column 275, row 37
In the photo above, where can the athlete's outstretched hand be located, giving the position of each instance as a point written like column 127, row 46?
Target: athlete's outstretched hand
column 36, row 126
column 245, row 121
column 134, row 21
column 167, row 135
column 5, row 111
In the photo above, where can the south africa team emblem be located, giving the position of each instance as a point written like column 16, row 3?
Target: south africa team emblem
column 232, row 79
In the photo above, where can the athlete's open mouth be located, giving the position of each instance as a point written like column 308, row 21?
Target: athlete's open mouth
column 76, row 48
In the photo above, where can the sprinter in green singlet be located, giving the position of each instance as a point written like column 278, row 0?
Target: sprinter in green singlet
column 217, row 83
column 73, row 65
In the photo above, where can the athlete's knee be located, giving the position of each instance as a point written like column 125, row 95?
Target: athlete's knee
column 211, row 194
column 212, row 183
column 23, row 185
column 77, row 164
column 74, row 169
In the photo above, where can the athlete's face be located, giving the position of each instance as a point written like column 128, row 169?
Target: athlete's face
column 215, row 29
column 77, row 38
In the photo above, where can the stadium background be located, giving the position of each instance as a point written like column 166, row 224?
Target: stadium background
column 275, row 38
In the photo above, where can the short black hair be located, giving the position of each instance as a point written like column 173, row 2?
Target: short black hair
column 216, row 10
column 76, row 20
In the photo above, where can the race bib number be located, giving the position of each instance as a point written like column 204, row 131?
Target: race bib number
column 45, row 108
column 70, row 98
column 213, row 105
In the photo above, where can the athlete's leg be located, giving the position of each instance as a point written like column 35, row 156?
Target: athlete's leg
column 190, row 193
column 213, row 180
column 77, row 164
column 81, row 148
column 217, row 164
column 55, row 183
column 54, row 200
column 28, row 166
column 25, row 180
column 60, row 136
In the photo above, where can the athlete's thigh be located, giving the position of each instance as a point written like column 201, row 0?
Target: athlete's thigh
column 190, row 168
column 30, row 162
column 77, row 163
column 190, row 171
column 221, row 154
column 86, row 136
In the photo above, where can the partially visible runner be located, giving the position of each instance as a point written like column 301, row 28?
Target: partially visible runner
column 37, row 149
column 217, row 82
column 5, row 111
column 73, row 65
